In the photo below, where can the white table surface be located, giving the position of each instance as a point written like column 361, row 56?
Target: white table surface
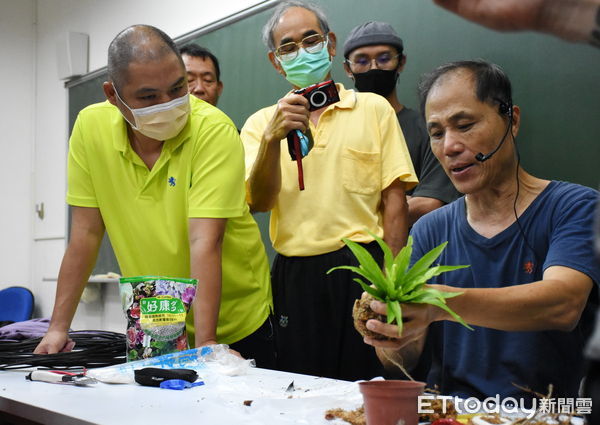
column 220, row 401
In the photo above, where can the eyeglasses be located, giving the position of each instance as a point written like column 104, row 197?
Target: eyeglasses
column 363, row 63
column 312, row 44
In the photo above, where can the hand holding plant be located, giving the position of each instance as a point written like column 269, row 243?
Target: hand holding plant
column 397, row 283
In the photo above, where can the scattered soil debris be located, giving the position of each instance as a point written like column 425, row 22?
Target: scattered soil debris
column 353, row 417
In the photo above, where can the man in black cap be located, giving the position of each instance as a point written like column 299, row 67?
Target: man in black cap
column 374, row 60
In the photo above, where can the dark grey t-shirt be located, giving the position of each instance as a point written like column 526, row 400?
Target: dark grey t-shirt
column 433, row 181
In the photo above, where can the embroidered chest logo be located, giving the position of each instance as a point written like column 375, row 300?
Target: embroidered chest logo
column 172, row 181
column 528, row 267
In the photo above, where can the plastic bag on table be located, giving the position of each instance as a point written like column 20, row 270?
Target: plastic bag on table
column 223, row 362
column 208, row 360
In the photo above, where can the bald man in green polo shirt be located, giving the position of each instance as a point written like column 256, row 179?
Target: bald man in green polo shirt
column 163, row 173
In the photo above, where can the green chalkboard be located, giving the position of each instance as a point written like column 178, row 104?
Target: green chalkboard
column 555, row 83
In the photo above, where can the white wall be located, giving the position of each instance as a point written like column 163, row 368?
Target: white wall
column 17, row 53
column 34, row 141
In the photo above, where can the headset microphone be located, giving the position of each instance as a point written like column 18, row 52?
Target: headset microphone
column 504, row 109
column 484, row 157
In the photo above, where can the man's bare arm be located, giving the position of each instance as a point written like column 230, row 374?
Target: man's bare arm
column 206, row 239
column 418, row 206
column 554, row 303
column 264, row 182
column 87, row 230
column 394, row 211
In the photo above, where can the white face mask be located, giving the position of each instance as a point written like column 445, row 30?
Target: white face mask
column 162, row 121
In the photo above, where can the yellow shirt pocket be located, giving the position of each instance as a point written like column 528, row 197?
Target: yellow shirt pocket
column 361, row 171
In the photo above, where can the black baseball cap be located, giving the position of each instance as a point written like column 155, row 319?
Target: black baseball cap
column 371, row 33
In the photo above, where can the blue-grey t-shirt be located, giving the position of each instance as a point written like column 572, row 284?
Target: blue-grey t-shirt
column 486, row 362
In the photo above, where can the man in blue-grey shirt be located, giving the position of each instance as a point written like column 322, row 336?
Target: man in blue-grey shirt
column 528, row 242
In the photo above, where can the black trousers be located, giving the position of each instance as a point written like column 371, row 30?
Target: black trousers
column 259, row 345
column 313, row 312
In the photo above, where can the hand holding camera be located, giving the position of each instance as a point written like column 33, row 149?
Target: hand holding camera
column 291, row 113
column 319, row 96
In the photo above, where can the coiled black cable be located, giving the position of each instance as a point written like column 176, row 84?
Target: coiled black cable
column 92, row 349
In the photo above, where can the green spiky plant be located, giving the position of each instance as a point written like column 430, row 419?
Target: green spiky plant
column 397, row 283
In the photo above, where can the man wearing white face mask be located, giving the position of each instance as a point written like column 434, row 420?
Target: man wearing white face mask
column 355, row 179
column 163, row 173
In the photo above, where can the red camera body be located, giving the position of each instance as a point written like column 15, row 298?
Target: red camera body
column 320, row 95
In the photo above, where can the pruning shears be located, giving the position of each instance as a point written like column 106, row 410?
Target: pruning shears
column 61, row 377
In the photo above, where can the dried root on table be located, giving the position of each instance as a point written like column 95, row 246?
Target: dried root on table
column 437, row 405
column 353, row 417
column 541, row 417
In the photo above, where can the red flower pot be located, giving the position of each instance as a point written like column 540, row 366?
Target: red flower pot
column 391, row 402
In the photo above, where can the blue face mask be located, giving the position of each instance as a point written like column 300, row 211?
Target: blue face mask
column 307, row 68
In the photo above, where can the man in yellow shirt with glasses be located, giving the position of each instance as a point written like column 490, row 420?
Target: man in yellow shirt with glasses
column 355, row 178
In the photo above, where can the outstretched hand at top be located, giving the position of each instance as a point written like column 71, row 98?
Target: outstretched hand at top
column 505, row 15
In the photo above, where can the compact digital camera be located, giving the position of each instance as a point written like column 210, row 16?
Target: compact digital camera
column 320, row 95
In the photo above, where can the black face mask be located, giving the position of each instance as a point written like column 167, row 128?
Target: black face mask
column 377, row 81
